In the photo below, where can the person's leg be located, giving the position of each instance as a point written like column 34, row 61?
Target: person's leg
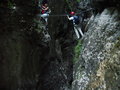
column 46, row 19
column 76, row 32
column 44, row 15
column 80, row 31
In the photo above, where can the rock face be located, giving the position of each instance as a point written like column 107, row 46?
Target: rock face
column 27, row 60
column 21, row 56
column 57, row 75
column 30, row 62
column 99, row 65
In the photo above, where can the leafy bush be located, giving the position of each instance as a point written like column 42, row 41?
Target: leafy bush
column 77, row 51
column 78, row 0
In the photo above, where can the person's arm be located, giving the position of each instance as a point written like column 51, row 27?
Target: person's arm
column 46, row 8
column 70, row 18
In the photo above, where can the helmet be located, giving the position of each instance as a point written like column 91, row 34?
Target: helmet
column 72, row 13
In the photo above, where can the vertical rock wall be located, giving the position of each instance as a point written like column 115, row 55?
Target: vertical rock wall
column 57, row 74
column 27, row 61
column 99, row 63
column 21, row 48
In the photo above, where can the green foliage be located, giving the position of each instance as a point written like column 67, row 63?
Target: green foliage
column 69, row 4
column 77, row 51
column 10, row 4
column 78, row 0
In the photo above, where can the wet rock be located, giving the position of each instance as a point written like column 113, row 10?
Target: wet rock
column 30, row 57
column 99, row 65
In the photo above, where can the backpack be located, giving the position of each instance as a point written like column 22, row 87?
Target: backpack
column 76, row 19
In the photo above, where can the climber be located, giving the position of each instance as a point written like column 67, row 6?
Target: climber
column 45, row 12
column 76, row 21
column 45, row 8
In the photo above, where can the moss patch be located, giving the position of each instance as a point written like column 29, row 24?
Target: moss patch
column 77, row 51
column 78, row 0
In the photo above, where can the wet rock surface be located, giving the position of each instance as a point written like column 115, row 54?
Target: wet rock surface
column 20, row 51
column 30, row 59
column 35, row 58
column 99, row 64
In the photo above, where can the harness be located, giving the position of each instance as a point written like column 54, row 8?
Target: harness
column 76, row 19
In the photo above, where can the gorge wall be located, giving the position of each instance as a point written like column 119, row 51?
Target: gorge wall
column 99, row 63
column 28, row 60
column 31, row 61
column 20, row 51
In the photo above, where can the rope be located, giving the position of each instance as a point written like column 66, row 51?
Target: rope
column 63, row 15
column 58, row 15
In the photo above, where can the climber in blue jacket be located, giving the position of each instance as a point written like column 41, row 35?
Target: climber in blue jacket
column 76, row 21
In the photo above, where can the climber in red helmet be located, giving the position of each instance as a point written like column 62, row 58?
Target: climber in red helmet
column 72, row 13
column 75, row 19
